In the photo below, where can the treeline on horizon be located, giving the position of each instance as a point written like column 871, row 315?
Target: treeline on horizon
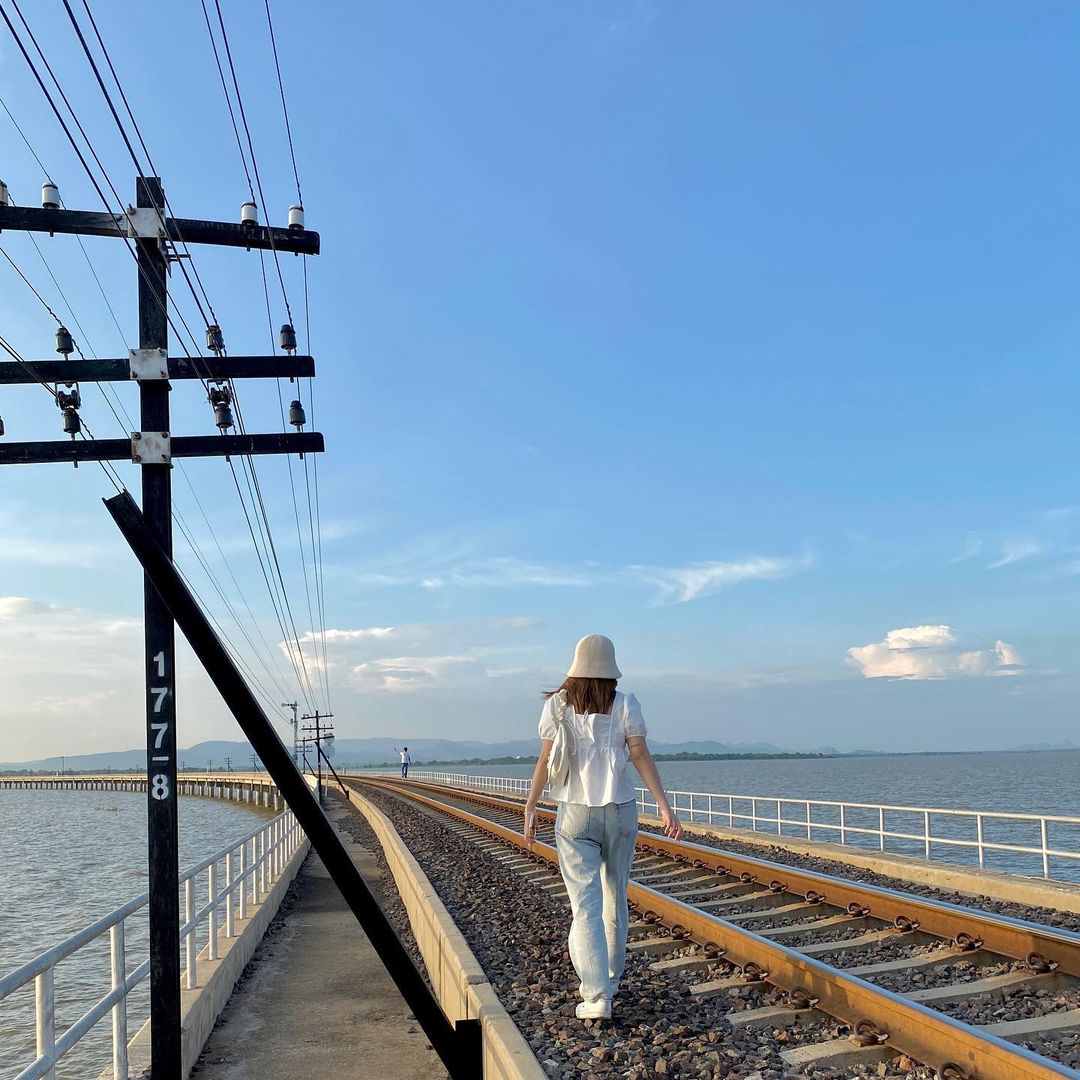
column 682, row 755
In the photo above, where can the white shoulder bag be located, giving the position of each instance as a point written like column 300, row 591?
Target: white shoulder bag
column 563, row 747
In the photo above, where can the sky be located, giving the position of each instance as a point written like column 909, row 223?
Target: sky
column 744, row 334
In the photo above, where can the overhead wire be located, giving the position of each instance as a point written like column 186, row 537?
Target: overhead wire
column 284, row 106
column 158, row 299
column 114, row 477
column 316, row 547
column 251, row 474
column 131, row 151
column 292, row 483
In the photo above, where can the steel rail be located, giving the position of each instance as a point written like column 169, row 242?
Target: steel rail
column 1014, row 938
column 912, row 1029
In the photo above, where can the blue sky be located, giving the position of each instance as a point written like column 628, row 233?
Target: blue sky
column 745, row 335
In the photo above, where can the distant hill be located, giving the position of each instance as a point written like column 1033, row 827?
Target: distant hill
column 358, row 752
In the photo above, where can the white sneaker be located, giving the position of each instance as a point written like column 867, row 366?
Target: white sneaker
column 594, row 1010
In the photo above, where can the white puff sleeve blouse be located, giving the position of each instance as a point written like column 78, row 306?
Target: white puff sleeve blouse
column 599, row 772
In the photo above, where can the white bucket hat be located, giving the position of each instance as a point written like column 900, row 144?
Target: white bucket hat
column 594, row 658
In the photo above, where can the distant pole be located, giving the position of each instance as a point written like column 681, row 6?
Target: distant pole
column 209, row 764
column 228, row 764
column 295, row 731
column 254, row 762
column 318, row 746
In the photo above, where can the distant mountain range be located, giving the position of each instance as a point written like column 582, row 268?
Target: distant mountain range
column 364, row 752
column 357, row 752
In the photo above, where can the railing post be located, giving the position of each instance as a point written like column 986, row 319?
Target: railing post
column 808, row 822
column 1044, row 832
column 119, row 1012
column 262, row 864
column 881, row 828
column 979, row 836
column 753, row 813
column 211, row 922
column 926, row 831
column 45, row 1010
column 843, row 824
column 243, row 882
column 779, row 815
column 191, row 948
column 229, row 898
column 730, row 813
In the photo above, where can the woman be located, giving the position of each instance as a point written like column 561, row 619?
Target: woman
column 596, row 825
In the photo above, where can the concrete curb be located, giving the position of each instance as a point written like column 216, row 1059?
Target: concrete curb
column 200, row 1008
column 458, row 979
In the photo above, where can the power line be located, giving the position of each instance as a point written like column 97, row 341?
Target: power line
column 284, row 107
column 101, row 387
column 251, row 151
column 82, row 158
column 130, row 148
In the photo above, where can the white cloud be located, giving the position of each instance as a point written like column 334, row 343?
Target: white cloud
column 15, row 607
column 359, row 634
column 931, row 652
column 681, row 584
column 397, row 674
column 517, row 622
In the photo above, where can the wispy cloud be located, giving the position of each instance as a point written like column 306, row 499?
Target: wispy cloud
column 931, row 652
column 1017, row 549
column 672, row 584
column 972, row 549
column 679, row 585
column 506, row 571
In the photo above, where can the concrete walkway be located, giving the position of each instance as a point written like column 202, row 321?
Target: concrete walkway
column 316, row 1001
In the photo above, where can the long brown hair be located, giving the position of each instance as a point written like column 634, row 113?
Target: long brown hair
column 588, row 695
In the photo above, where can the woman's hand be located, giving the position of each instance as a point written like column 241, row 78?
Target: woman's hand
column 529, row 829
column 672, row 825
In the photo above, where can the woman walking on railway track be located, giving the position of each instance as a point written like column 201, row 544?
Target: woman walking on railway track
column 590, row 733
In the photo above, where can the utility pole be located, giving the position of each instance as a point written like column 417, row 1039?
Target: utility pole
column 323, row 733
column 295, row 732
column 153, row 448
column 254, row 762
column 228, row 764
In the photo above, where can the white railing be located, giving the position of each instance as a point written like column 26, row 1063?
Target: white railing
column 252, row 865
column 1020, row 841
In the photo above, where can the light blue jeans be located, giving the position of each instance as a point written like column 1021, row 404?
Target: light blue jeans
column 596, row 847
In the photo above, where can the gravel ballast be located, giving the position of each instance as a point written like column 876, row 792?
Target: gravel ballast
column 518, row 934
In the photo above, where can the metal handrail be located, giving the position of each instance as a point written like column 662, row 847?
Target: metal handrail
column 248, row 879
column 746, row 812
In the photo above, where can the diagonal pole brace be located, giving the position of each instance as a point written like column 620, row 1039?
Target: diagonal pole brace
column 459, row 1047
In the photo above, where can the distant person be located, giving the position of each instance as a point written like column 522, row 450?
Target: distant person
column 405, row 761
column 589, row 734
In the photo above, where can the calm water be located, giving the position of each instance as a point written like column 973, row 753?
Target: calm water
column 67, row 858
column 1033, row 783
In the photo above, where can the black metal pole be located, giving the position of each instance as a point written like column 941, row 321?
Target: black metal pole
column 165, row 1058
column 458, row 1046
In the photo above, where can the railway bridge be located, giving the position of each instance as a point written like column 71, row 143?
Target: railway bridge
column 748, row 957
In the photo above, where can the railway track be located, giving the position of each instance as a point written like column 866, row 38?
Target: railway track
column 938, row 970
